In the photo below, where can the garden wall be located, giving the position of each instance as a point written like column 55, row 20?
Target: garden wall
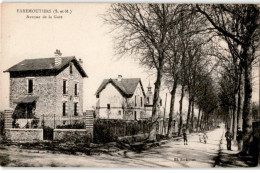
column 24, row 135
column 72, row 135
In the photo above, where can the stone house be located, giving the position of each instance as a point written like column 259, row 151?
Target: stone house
column 121, row 98
column 47, row 88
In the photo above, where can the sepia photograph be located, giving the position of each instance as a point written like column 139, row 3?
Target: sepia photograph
column 129, row 85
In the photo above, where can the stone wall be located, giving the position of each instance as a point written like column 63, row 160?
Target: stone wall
column 43, row 86
column 70, row 98
column 72, row 135
column 24, row 135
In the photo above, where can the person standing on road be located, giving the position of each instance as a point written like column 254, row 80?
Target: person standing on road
column 229, row 137
column 185, row 137
column 205, row 137
column 239, row 138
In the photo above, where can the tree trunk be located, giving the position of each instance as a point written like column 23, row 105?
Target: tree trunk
column 198, row 121
column 180, row 110
column 247, row 114
column 230, row 118
column 240, row 101
column 171, row 114
column 201, row 120
column 188, row 115
column 234, row 130
column 152, row 134
column 192, row 115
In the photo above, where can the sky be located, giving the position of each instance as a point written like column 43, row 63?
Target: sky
column 81, row 34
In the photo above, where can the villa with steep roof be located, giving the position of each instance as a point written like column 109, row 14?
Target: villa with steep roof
column 47, row 86
column 121, row 98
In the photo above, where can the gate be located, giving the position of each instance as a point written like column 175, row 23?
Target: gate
column 47, row 133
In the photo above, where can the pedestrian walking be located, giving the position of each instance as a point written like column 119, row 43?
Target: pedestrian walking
column 200, row 137
column 185, row 137
column 205, row 137
column 239, row 139
column 229, row 138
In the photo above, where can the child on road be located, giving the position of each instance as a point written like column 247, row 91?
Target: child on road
column 185, row 137
column 205, row 137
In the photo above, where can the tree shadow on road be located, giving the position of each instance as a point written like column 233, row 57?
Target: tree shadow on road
column 234, row 161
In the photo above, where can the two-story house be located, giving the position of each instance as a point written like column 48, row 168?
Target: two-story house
column 47, row 87
column 121, row 98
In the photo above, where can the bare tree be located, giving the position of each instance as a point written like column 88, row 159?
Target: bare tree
column 144, row 30
column 245, row 35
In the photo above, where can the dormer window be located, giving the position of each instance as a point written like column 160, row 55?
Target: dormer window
column 30, row 86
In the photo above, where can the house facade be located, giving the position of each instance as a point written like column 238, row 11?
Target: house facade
column 47, row 88
column 121, row 98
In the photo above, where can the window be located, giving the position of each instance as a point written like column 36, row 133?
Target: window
column 30, row 86
column 76, row 89
column 75, row 108
column 108, row 106
column 64, row 108
column 141, row 101
column 71, row 68
column 65, row 90
column 135, row 101
column 148, row 100
column 119, row 112
column 135, row 116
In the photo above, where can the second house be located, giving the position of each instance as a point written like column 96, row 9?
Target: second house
column 121, row 98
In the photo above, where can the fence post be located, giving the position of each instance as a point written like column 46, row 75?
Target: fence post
column 8, row 118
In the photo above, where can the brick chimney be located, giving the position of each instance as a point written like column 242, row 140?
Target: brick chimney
column 119, row 78
column 57, row 59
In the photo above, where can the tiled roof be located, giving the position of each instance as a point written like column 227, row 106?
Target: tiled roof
column 126, row 86
column 42, row 64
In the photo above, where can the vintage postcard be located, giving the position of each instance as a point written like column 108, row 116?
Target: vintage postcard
column 129, row 85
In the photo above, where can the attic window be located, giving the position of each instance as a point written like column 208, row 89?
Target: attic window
column 65, row 86
column 30, row 86
column 71, row 71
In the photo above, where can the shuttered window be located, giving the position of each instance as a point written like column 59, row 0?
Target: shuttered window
column 76, row 109
column 64, row 108
column 76, row 90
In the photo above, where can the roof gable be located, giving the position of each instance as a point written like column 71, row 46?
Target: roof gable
column 46, row 64
column 126, row 86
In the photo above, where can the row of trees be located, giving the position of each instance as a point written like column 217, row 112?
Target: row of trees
column 187, row 46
